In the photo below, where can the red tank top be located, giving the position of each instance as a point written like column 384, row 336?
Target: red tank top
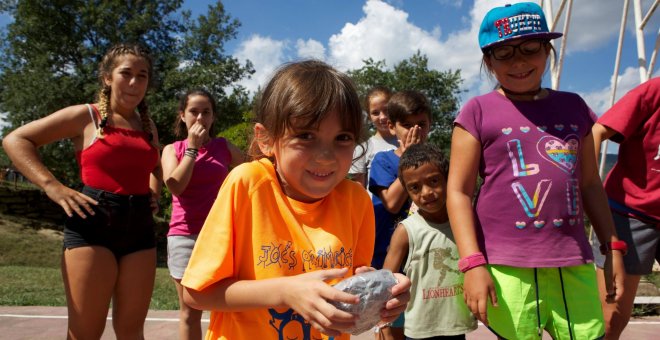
column 120, row 163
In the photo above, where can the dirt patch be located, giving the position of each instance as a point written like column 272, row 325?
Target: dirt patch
column 52, row 234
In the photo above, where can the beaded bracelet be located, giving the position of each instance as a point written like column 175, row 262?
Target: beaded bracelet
column 191, row 152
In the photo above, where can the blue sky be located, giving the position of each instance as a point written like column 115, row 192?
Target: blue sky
column 345, row 32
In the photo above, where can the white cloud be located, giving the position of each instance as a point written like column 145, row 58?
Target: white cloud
column 454, row 3
column 266, row 55
column 310, row 49
column 595, row 23
column 385, row 32
column 601, row 100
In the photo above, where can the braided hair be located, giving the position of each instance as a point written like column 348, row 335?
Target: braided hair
column 106, row 67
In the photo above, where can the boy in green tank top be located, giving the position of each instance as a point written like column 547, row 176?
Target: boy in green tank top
column 424, row 247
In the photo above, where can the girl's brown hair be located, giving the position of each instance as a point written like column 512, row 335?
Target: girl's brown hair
column 107, row 65
column 180, row 129
column 374, row 92
column 301, row 95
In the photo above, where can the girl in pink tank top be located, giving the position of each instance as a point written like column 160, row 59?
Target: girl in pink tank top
column 193, row 168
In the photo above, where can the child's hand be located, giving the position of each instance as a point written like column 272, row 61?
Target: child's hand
column 364, row 269
column 400, row 297
column 197, row 134
column 308, row 295
column 614, row 276
column 411, row 137
column 70, row 200
column 478, row 287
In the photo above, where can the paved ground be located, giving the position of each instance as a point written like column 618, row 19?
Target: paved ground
column 46, row 323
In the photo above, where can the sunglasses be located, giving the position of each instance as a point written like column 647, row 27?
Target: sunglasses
column 528, row 47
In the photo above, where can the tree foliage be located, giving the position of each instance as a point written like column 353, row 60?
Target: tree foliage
column 50, row 53
column 441, row 88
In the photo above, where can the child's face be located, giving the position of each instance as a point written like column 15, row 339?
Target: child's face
column 129, row 81
column 521, row 72
column 199, row 110
column 402, row 128
column 378, row 114
column 312, row 162
column 426, row 186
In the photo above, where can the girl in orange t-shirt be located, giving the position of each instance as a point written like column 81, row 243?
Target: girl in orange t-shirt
column 288, row 222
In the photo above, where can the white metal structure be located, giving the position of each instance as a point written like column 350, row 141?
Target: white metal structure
column 645, row 69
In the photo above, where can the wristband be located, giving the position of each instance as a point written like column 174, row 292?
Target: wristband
column 607, row 247
column 191, row 152
column 469, row 262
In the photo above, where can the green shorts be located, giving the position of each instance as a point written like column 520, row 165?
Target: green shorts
column 563, row 301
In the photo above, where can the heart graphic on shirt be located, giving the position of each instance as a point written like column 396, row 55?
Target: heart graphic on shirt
column 571, row 221
column 507, row 131
column 524, row 129
column 574, row 127
column 539, row 224
column 542, row 128
column 520, row 225
column 558, row 222
column 560, row 153
column 559, row 127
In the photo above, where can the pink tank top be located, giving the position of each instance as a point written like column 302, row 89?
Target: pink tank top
column 120, row 163
column 190, row 208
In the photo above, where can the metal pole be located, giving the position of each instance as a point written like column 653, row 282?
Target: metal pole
column 562, row 51
column 547, row 8
column 615, row 80
column 649, row 14
column 639, row 33
column 558, row 15
column 654, row 55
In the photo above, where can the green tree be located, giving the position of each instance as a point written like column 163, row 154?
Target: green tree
column 49, row 56
column 440, row 87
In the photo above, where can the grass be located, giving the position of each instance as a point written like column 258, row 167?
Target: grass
column 30, row 255
column 30, row 268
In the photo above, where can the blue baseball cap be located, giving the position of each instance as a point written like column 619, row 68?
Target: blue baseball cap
column 521, row 20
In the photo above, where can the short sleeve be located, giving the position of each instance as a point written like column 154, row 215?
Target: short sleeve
column 627, row 114
column 469, row 118
column 382, row 172
column 359, row 165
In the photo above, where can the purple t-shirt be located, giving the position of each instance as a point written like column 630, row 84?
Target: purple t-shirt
column 529, row 209
column 189, row 210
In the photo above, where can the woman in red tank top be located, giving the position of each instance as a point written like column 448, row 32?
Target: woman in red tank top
column 109, row 244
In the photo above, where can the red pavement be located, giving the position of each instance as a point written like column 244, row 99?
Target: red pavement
column 50, row 323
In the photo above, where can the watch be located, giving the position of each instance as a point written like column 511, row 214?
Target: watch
column 469, row 262
column 607, row 247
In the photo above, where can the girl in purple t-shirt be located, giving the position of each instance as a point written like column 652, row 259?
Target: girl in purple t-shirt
column 526, row 258
column 193, row 170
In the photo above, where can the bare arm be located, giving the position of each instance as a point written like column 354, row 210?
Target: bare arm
column 22, row 144
column 393, row 197
column 600, row 134
column 307, row 294
column 595, row 205
column 398, row 249
column 156, row 177
column 360, row 178
column 177, row 174
column 237, row 155
column 465, row 153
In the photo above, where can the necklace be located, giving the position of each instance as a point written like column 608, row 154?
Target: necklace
column 534, row 93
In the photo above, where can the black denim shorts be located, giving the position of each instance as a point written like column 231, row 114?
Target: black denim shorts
column 122, row 223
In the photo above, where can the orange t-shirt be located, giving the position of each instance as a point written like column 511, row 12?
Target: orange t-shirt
column 254, row 231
